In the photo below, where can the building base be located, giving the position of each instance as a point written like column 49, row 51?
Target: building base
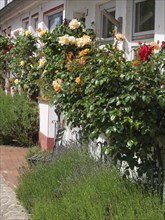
column 45, row 142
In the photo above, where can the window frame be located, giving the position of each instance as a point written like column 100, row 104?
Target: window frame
column 142, row 34
column 109, row 6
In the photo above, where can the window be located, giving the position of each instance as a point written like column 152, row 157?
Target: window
column 144, row 19
column 53, row 17
column 25, row 23
column 54, row 20
column 34, row 22
column 107, row 26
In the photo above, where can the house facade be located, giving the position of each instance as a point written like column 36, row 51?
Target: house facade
column 137, row 19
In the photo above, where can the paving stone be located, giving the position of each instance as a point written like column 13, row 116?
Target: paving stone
column 10, row 208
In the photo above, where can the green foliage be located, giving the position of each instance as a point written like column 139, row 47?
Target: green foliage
column 75, row 187
column 19, row 120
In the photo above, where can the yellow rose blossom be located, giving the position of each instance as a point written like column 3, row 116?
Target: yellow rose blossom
column 84, row 52
column 78, row 80
column 59, row 81
column 64, row 40
column 74, row 24
column 42, row 32
column 42, row 62
column 69, row 65
column 79, row 42
column 22, row 63
column 39, row 30
column 56, row 71
column 72, row 40
column 69, row 55
column 82, row 61
column 155, row 45
column 16, row 81
column 119, row 37
column 25, row 86
column 45, row 71
column 27, row 33
column 86, row 39
column 57, row 87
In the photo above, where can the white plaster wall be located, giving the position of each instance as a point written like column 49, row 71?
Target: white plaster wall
column 2, row 3
column 48, row 118
column 43, row 113
column 159, row 20
column 52, row 121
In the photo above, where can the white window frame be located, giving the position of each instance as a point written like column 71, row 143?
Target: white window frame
column 109, row 6
column 142, row 34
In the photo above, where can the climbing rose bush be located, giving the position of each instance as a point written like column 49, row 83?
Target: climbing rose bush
column 98, row 89
column 102, row 92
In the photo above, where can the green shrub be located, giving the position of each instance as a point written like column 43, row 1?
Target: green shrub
column 75, row 187
column 19, row 120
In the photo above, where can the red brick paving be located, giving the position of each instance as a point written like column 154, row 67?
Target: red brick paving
column 11, row 159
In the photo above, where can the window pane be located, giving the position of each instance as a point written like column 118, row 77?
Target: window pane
column 145, row 16
column 26, row 25
column 54, row 20
column 108, row 26
column 35, row 24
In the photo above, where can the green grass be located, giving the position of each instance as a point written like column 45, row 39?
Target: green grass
column 74, row 187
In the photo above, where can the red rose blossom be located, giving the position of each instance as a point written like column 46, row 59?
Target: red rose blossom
column 163, row 44
column 144, row 52
column 5, row 51
column 10, row 46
